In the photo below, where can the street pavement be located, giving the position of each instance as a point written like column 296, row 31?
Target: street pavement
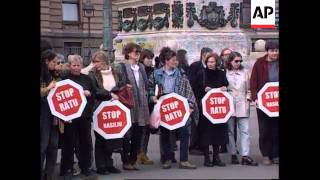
column 229, row 172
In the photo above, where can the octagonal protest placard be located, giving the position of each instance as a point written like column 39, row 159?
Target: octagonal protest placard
column 67, row 100
column 217, row 106
column 111, row 119
column 268, row 99
column 174, row 111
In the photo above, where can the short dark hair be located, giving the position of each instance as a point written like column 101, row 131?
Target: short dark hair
column 231, row 57
column 165, row 54
column 129, row 48
column 215, row 56
column 271, row 44
column 146, row 53
column 205, row 50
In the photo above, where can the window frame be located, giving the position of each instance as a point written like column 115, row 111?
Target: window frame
column 77, row 2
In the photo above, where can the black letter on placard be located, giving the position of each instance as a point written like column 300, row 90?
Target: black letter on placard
column 257, row 10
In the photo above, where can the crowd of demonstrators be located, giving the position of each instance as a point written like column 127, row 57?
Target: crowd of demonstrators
column 170, row 78
column 101, row 80
column 266, row 69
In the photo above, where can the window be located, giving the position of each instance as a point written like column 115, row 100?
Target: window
column 70, row 11
column 71, row 48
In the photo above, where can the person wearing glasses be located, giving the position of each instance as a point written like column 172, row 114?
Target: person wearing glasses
column 135, row 75
column 266, row 69
column 238, row 87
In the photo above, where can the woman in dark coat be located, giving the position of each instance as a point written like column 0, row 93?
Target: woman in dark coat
column 106, row 82
column 211, row 134
column 49, row 131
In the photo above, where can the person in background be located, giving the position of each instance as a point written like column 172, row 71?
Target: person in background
column 223, row 58
column 238, row 88
column 183, row 61
column 146, row 57
column 266, row 69
column 209, row 133
column 221, row 65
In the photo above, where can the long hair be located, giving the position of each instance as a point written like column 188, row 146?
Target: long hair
column 181, row 57
column 45, row 75
column 231, row 57
column 146, row 53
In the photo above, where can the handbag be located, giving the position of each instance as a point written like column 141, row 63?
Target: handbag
column 125, row 96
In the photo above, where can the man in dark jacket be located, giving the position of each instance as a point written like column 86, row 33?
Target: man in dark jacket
column 266, row 69
column 80, row 126
column 194, row 68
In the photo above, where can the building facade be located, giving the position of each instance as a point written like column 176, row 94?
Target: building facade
column 64, row 25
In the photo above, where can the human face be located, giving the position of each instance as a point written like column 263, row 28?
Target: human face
column 52, row 64
column 99, row 63
column 147, row 62
column 75, row 68
column 172, row 63
column 211, row 63
column 236, row 62
column 226, row 53
column 273, row 54
column 134, row 55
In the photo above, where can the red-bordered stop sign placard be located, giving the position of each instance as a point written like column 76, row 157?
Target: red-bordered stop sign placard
column 268, row 99
column 111, row 119
column 67, row 100
column 217, row 106
column 174, row 111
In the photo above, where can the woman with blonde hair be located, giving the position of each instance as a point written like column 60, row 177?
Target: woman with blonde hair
column 106, row 82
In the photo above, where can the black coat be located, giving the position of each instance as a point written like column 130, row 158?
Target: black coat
column 210, row 134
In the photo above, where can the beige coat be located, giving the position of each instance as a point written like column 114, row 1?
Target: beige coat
column 239, row 89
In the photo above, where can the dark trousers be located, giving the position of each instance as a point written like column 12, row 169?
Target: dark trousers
column 216, row 150
column 103, row 153
column 268, row 135
column 131, row 144
column 49, row 137
column 166, row 141
column 194, row 136
column 145, row 139
column 79, row 129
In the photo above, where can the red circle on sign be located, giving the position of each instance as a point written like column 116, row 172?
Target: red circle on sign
column 112, row 119
column 270, row 98
column 172, row 111
column 66, row 100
